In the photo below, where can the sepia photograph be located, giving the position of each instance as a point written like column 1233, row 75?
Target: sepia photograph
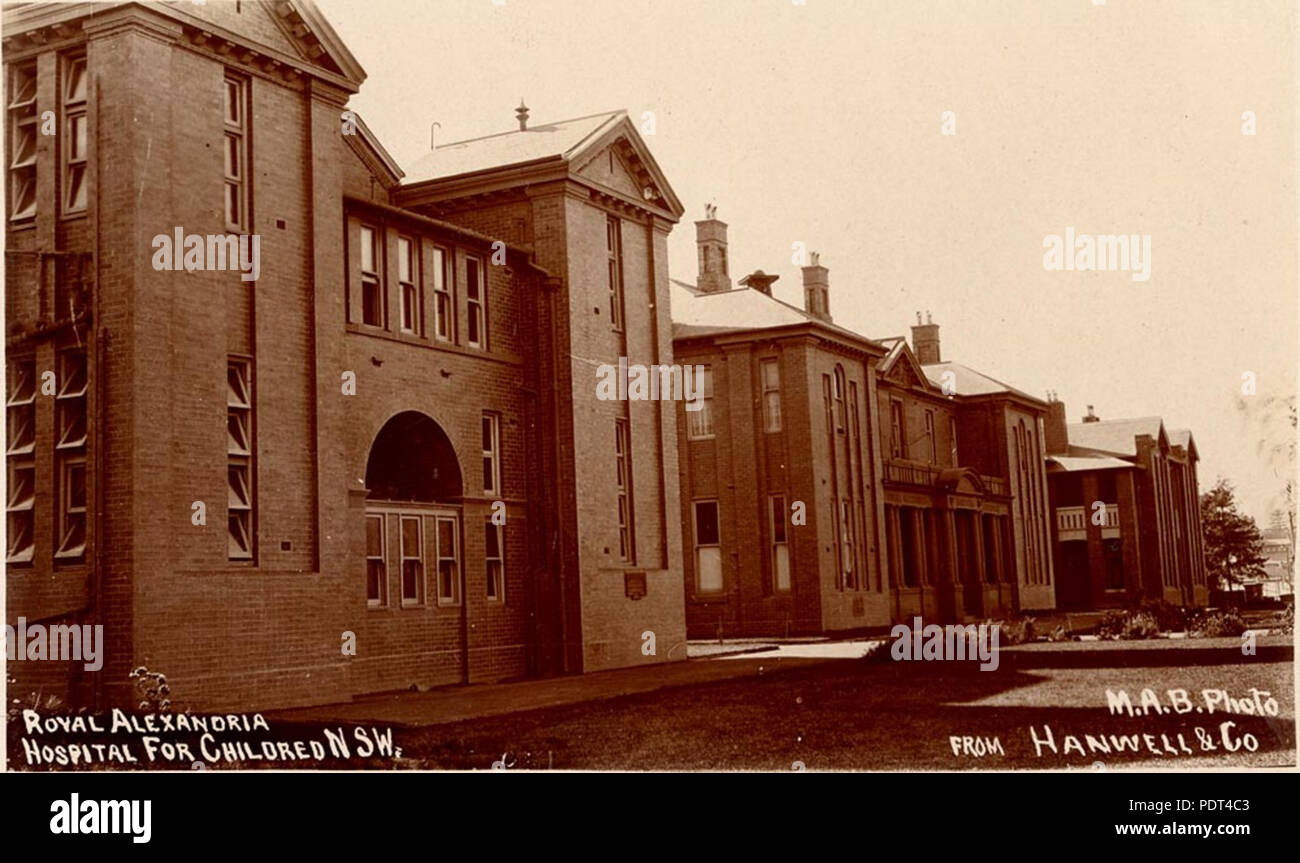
column 529, row 386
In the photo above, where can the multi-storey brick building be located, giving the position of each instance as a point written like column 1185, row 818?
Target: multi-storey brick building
column 836, row 482
column 1127, row 523
column 414, row 455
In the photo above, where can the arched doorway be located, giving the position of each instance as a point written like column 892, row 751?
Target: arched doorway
column 413, row 515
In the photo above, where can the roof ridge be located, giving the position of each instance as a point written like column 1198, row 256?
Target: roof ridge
column 518, row 131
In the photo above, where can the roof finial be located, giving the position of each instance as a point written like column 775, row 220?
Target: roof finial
column 522, row 113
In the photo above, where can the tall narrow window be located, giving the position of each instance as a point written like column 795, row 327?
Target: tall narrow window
column 491, row 453
column 476, row 294
column 931, row 445
column 408, row 276
column 623, row 467
column 74, row 135
column 699, row 423
column 897, row 444
column 372, row 290
column 22, row 118
column 614, row 251
column 448, row 563
column 239, row 457
column 708, row 548
column 770, row 373
column 20, row 459
column 952, row 440
column 780, row 547
column 70, row 455
column 442, row 304
column 412, row 552
column 846, row 546
column 236, row 153
column 376, row 564
column 495, row 557
column 837, row 393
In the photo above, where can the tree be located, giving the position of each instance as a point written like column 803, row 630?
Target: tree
column 1234, row 549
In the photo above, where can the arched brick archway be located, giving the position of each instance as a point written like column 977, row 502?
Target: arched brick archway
column 412, row 459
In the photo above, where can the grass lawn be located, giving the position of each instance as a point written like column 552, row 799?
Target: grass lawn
column 886, row 715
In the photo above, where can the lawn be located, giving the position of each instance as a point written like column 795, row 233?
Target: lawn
column 886, row 715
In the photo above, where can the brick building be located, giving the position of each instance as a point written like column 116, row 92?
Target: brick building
column 1127, row 516
column 835, row 482
column 413, row 449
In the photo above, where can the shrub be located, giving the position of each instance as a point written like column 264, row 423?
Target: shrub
column 1219, row 624
column 1016, row 631
column 1128, row 624
column 1060, row 634
column 151, row 686
column 1168, row 617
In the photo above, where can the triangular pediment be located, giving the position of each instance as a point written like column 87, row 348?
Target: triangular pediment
column 621, row 161
column 903, row 370
column 257, row 21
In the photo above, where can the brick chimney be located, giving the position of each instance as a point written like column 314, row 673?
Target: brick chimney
column 817, row 288
column 711, row 240
column 1091, row 417
column 759, row 281
column 925, row 341
column 1057, row 439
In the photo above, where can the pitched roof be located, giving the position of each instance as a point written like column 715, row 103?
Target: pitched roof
column 1068, row 464
column 699, row 313
column 562, row 140
column 968, row 382
column 1113, row 436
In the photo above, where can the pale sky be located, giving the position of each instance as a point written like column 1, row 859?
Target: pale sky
column 821, row 124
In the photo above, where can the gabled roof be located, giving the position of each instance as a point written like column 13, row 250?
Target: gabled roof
column 562, row 140
column 570, row 144
column 1117, row 437
column 900, row 365
column 968, row 382
column 699, row 313
column 371, row 151
column 309, row 42
column 1070, row 464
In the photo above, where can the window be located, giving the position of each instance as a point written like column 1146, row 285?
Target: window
column 780, row 548
column 448, row 568
column 846, row 545
column 74, row 135
column 930, row 443
column 372, row 291
column 70, row 455
column 837, row 393
column 20, row 459
column 412, row 556
column 408, row 270
column 952, row 439
column 708, row 548
column 236, row 152
column 494, row 552
column 770, row 373
column 239, row 458
column 614, row 250
column 699, row 423
column 897, row 444
column 491, row 453
column 477, row 296
column 376, row 566
column 623, row 461
column 442, row 304
column 22, row 117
